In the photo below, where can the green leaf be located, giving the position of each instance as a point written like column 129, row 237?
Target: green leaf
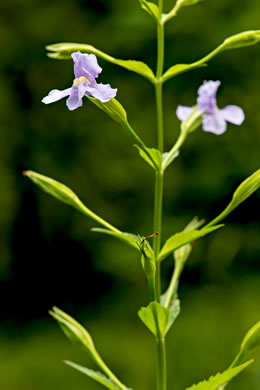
column 156, row 317
column 243, row 39
column 250, row 343
column 178, row 69
column 181, row 255
column 245, row 189
column 64, row 50
column 73, row 330
column 129, row 238
column 97, row 376
column 151, row 8
column 214, row 382
column 152, row 156
column 65, row 195
column 180, row 239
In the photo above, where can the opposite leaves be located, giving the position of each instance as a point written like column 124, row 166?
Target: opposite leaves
column 158, row 318
column 63, row 51
column 151, row 8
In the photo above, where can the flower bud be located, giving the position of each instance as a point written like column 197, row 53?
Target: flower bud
column 246, row 38
column 250, row 342
column 186, row 3
column 73, row 330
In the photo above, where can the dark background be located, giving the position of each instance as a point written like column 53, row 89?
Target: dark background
column 48, row 256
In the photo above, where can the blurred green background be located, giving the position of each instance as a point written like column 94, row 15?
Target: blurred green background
column 48, row 256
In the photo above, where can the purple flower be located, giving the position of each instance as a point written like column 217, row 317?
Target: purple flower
column 86, row 70
column 214, row 120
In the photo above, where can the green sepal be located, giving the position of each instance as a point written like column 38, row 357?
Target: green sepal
column 214, row 382
column 179, row 239
column 64, row 50
column 151, row 8
column 95, row 375
column 112, row 108
column 250, row 343
column 156, row 318
column 243, row 39
column 168, row 158
column 152, row 156
column 129, row 238
column 244, row 190
column 246, row 38
column 74, row 330
column 65, row 195
column 193, row 121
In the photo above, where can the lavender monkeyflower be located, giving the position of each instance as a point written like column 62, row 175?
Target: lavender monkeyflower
column 86, row 70
column 214, row 120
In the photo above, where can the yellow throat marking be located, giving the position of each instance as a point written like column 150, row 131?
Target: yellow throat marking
column 81, row 79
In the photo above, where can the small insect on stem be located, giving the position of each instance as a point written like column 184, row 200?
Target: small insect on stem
column 151, row 235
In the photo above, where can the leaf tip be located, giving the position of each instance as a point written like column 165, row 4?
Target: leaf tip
column 27, row 173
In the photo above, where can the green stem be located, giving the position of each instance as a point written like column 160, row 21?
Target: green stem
column 102, row 365
column 175, row 148
column 161, row 365
column 158, row 199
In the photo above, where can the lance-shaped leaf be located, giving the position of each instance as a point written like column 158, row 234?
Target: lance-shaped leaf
column 151, row 8
column 246, row 188
column 179, row 4
column 152, row 156
column 66, row 195
column 156, row 317
column 95, row 375
column 179, row 239
column 246, row 38
column 64, row 50
column 117, row 112
column 129, row 238
column 214, row 382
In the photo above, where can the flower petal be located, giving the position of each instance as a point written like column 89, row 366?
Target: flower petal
column 102, row 92
column 55, row 95
column 233, row 114
column 207, row 95
column 183, row 112
column 214, row 123
column 75, row 99
column 85, row 65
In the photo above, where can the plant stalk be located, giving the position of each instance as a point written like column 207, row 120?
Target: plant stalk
column 158, row 199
